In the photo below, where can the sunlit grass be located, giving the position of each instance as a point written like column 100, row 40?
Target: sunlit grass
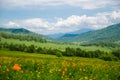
column 54, row 45
column 31, row 66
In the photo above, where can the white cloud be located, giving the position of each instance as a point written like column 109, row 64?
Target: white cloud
column 36, row 22
column 69, row 24
column 84, row 4
column 11, row 24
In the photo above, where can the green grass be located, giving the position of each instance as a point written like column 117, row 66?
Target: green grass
column 47, row 67
column 54, row 46
column 5, row 52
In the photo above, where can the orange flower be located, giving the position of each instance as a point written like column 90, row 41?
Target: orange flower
column 16, row 67
column 73, row 64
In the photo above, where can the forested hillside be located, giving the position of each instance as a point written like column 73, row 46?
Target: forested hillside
column 110, row 33
column 15, row 30
column 21, row 34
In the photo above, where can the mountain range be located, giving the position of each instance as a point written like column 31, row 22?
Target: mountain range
column 110, row 33
column 70, row 34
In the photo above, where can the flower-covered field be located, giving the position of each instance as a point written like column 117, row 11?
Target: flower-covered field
column 63, row 68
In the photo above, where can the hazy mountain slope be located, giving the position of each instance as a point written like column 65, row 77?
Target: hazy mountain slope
column 76, row 33
column 110, row 33
column 70, row 34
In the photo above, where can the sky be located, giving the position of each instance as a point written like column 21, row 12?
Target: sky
column 58, row 16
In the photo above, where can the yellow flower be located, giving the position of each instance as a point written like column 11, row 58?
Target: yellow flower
column 63, row 73
column 50, row 70
column 16, row 67
column 7, row 70
column 59, row 70
column 86, row 78
column 80, row 69
column 65, row 69
column 84, row 70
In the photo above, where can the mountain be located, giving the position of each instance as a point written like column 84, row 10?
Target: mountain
column 70, row 34
column 55, row 36
column 76, row 33
column 110, row 33
column 15, row 30
column 81, row 31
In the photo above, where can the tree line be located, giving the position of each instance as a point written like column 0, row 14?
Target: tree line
column 102, row 44
column 22, row 37
column 76, row 52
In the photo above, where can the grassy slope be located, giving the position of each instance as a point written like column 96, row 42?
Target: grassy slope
column 53, row 45
column 7, row 53
column 17, row 54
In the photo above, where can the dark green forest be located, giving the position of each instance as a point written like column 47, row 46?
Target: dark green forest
column 22, row 37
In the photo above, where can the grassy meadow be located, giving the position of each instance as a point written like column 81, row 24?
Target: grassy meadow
column 16, row 65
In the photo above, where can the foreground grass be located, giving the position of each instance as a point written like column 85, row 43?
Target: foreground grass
column 47, row 67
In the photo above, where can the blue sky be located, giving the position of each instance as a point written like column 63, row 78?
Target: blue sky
column 58, row 16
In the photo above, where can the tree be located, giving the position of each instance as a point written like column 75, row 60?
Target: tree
column 31, row 49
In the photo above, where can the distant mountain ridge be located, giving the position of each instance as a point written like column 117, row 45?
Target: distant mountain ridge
column 110, row 33
column 76, row 33
column 15, row 30
column 69, row 34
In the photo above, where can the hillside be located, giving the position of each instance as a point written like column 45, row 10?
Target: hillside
column 21, row 34
column 15, row 30
column 76, row 33
column 110, row 33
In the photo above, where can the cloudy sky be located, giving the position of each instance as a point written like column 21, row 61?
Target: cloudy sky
column 58, row 16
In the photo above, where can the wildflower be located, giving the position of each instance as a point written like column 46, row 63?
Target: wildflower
column 86, row 78
column 42, row 68
column 90, row 78
column 7, row 70
column 80, row 69
column 50, row 70
column 16, row 67
column 63, row 73
column 65, row 69
column 73, row 64
column 84, row 70
column 59, row 70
